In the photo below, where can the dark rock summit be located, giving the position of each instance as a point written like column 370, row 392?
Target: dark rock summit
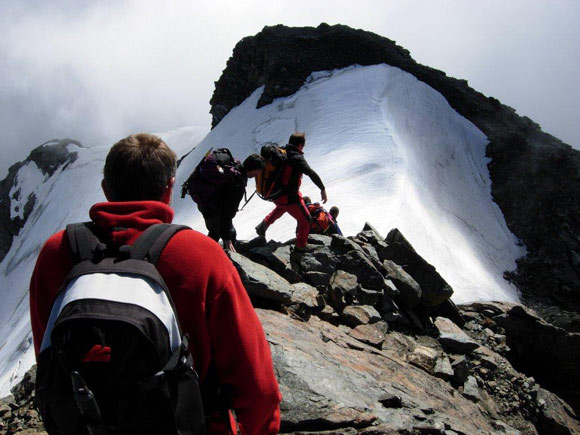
column 353, row 359
column 47, row 157
column 535, row 177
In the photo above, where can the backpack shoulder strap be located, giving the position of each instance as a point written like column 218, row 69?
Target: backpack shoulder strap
column 151, row 243
column 82, row 240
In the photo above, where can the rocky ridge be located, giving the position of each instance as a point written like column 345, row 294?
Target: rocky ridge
column 48, row 157
column 365, row 339
column 535, row 177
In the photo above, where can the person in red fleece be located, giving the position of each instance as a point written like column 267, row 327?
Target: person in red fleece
column 226, row 337
column 291, row 202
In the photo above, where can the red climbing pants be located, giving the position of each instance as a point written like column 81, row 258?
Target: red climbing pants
column 299, row 212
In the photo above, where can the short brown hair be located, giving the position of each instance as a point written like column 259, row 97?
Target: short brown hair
column 139, row 168
column 297, row 138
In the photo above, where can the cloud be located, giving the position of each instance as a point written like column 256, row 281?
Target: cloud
column 97, row 71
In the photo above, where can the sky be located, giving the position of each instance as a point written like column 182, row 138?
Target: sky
column 98, row 71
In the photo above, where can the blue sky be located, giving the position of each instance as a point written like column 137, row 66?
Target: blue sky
column 97, row 71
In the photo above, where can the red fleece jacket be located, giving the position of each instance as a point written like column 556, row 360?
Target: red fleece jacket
column 211, row 301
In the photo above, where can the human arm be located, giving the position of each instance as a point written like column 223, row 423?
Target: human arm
column 214, row 308
column 229, row 245
column 299, row 163
column 243, row 360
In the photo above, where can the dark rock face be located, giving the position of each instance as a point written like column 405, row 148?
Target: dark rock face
column 349, row 364
column 48, row 158
column 535, row 177
column 547, row 352
column 281, row 58
column 18, row 413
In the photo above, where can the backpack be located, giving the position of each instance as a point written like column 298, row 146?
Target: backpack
column 113, row 359
column 272, row 181
column 216, row 169
column 322, row 221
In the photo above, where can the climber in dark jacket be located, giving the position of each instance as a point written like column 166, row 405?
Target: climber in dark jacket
column 221, row 210
column 292, row 202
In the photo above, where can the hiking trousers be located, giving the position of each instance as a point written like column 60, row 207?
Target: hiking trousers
column 299, row 212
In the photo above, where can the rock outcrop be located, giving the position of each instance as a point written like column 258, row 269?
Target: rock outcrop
column 535, row 177
column 47, row 157
column 354, row 354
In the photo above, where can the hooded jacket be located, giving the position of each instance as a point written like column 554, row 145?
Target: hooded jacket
column 213, row 307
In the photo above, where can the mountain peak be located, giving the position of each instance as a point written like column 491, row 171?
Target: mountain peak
column 280, row 58
column 534, row 175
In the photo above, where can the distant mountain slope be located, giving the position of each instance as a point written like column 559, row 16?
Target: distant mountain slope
column 535, row 177
column 54, row 186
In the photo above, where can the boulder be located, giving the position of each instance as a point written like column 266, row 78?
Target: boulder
column 460, row 369
column 340, row 245
column 434, row 288
column 471, row 389
column 409, row 290
column 369, row 297
column 342, row 289
column 453, row 338
column 276, row 257
column 320, row 259
column 443, row 368
column 261, row 283
column 357, row 263
column 306, row 295
column 424, row 357
column 355, row 315
column 318, row 279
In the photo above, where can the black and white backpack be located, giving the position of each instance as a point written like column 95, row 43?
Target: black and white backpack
column 113, row 359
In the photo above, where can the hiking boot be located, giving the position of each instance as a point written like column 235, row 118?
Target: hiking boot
column 303, row 249
column 261, row 229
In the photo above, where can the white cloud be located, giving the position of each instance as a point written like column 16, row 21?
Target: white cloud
column 97, row 71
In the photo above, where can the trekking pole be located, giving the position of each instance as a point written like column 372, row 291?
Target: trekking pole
column 248, row 199
column 88, row 406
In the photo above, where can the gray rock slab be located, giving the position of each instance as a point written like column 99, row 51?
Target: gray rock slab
column 471, row 389
column 453, row 338
column 443, row 368
column 355, row 315
column 410, row 291
column 261, row 282
column 327, row 376
column 305, row 294
column 371, row 334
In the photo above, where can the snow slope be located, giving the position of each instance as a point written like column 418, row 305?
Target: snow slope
column 389, row 149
